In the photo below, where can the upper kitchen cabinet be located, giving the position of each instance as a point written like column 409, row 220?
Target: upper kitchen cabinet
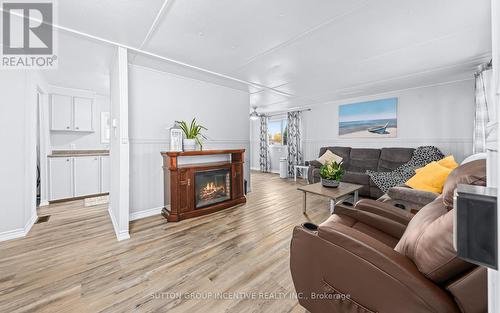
column 61, row 112
column 83, row 114
column 69, row 113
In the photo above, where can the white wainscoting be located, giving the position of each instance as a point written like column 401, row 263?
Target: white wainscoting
column 146, row 173
column 460, row 148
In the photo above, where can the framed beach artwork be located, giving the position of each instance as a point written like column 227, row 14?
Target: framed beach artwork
column 370, row 119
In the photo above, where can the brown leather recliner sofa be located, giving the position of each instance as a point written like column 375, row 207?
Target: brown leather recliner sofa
column 378, row 258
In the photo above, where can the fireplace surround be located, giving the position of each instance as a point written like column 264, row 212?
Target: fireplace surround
column 195, row 189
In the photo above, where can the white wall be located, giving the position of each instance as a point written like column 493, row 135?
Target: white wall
column 157, row 99
column 18, row 90
column 84, row 140
column 438, row 115
column 119, row 149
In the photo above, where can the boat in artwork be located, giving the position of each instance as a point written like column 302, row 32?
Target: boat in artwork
column 379, row 129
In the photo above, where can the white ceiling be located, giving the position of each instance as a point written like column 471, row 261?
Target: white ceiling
column 303, row 52
column 82, row 64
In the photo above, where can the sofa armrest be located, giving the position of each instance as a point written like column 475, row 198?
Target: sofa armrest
column 388, row 226
column 339, row 269
column 419, row 197
column 313, row 163
column 471, row 291
column 385, row 210
column 313, row 174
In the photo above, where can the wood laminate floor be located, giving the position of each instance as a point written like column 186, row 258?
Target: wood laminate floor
column 73, row 263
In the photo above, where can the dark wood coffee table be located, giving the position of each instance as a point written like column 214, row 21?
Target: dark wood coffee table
column 336, row 195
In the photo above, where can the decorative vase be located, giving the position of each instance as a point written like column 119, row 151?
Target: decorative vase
column 330, row 183
column 189, row 144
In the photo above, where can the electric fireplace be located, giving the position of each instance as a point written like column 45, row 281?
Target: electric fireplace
column 212, row 187
column 198, row 188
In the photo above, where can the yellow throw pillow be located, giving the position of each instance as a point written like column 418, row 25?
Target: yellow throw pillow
column 448, row 162
column 329, row 157
column 430, row 178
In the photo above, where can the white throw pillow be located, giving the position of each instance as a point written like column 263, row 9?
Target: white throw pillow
column 329, row 157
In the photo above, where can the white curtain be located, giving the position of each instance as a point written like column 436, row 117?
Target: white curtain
column 294, row 140
column 265, row 159
column 481, row 114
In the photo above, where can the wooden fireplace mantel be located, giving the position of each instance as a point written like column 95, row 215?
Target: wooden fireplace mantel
column 236, row 155
column 179, row 182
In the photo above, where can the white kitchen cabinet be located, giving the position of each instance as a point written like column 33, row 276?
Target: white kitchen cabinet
column 83, row 114
column 61, row 178
column 105, row 174
column 87, row 175
column 70, row 113
column 79, row 176
column 61, row 112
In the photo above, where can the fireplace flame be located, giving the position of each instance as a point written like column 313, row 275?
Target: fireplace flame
column 212, row 191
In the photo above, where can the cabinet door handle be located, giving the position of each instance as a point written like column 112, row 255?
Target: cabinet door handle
column 95, row 159
column 67, row 160
column 77, row 127
column 67, row 127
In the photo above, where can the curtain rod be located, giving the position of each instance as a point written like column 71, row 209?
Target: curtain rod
column 485, row 67
column 281, row 113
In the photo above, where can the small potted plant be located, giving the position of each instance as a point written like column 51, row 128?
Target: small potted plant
column 331, row 173
column 192, row 133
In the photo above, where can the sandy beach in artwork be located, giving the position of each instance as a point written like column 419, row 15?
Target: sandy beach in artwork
column 391, row 133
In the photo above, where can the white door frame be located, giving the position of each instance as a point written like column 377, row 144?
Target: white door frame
column 44, row 135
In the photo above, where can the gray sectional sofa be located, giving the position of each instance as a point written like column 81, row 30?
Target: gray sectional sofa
column 356, row 161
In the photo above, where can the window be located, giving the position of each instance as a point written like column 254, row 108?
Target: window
column 276, row 130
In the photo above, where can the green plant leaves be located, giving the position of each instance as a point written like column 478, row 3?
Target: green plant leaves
column 193, row 131
column 332, row 171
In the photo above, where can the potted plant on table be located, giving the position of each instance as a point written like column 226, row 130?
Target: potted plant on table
column 193, row 134
column 331, row 173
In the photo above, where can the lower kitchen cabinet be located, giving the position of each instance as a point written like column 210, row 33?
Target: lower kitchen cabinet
column 105, row 174
column 87, row 175
column 71, row 177
column 61, row 178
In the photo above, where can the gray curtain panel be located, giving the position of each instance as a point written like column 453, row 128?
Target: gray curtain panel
column 294, row 140
column 481, row 115
column 265, row 159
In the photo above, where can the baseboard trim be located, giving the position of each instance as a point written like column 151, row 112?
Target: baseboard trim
column 146, row 213
column 258, row 170
column 120, row 235
column 30, row 224
column 20, row 232
column 12, row 234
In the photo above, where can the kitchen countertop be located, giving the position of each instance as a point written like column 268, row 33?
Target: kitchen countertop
column 77, row 153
